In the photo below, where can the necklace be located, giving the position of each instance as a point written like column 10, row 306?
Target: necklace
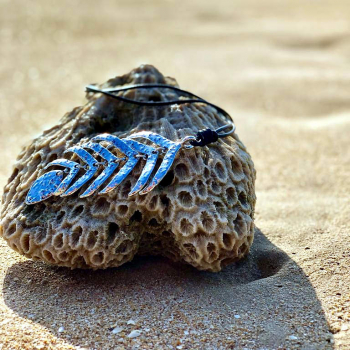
column 144, row 145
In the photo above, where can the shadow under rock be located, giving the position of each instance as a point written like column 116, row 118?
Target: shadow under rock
column 263, row 301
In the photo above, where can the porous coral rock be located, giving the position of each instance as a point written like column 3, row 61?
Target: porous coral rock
column 202, row 212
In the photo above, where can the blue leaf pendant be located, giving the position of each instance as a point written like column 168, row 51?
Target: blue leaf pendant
column 44, row 187
column 54, row 183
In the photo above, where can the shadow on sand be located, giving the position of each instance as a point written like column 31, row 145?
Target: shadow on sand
column 268, row 290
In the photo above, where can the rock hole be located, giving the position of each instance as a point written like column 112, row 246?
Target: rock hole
column 140, row 199
column 11, row 230
column 185, row 199
column 211, row 249
column 164, row 199
column 186, row 227
column 240, row 226
column 47, row 255
column 98, row 258
column 191, row 249
column 80, row 262
column 25, row 243
column 220, row 171
column 52, row 157
column 231, row 196
column 33, row 212
column 167, row 207
column 166, row 234
column 91, row 239
column 227, row 240
column 236, row 167
column 136, row 217
column 101, row 206
column 154, row 223
column 153, row 203
column 58, row 241
column 242, row 197
column 60, row 216
column 207, row 222
column 194, row 162
column 206, row 173
column 123, row 247
column 125, row 190
column 122, row 209
column 200, row 234
column 76, row 234
column 40, row 236
column 112, row 232
column 215, row 187
column 77, row 211
column 220, row 209
column 63, row 256
column 182, row 171
column 168, row 179
column 201, row 189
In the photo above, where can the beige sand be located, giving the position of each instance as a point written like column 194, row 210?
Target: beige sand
column 282, row 70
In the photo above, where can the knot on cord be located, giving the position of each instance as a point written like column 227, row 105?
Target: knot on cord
column 205, row 137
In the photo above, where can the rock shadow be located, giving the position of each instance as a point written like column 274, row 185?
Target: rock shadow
column 264, row 301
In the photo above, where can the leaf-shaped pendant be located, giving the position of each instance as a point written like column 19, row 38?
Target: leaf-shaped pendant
column 54, row 182
column 44, row 187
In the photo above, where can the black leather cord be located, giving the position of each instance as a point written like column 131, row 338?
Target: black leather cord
column 204, row 137
column 196, row 99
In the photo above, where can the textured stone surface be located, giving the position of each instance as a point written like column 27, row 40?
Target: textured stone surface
column 202, row 212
